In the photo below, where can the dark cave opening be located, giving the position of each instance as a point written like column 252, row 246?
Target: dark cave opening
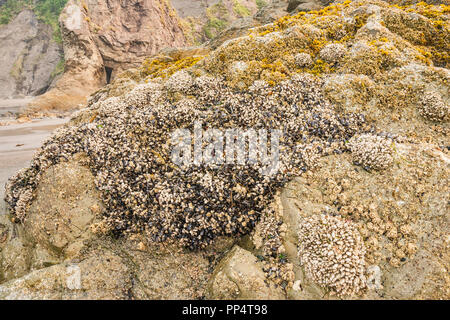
column 108, row 72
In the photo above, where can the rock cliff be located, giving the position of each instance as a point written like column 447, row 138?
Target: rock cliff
column 29, row 56
column 102, row 39
column 204, row 20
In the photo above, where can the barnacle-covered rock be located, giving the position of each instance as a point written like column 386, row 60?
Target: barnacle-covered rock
column 179, row 81
column 333, row 52
column 303, row 60
column 371, row 151
column 240, row 276
column 15, row 251
column 364, row 102
column 432, row 107
column 332, row 252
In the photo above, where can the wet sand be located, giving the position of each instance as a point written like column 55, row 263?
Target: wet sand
column 18, row 142
column 13, row 106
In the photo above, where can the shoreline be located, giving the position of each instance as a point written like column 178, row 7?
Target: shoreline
column 14, row 106
column 18, row 143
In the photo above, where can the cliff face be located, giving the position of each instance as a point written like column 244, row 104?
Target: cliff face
column 28, row 55
column 204, row 20
column 103, row 38
column 100, row 39
column 126, row 32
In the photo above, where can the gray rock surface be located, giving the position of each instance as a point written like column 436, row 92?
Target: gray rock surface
column 240, row 276
column 28, row 56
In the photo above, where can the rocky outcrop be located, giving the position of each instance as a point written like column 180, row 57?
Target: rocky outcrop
column 240, row 276
column 56, row 255
column 29, row 56
column 102, row 39
column 204, row 20
column 363, row 216
column 296, row 6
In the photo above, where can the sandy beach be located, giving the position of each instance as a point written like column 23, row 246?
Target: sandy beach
column 13, row 106
column 18, row 142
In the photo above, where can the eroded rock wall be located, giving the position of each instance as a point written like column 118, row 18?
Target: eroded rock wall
column 29, row 56
column 104, row 38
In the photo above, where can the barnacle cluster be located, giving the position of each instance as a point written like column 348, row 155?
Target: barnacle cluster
column 267, row 238
column 371, row 151
column 166, row 66
column 333, row 52
column 332, row 253
column 178, row 81
column 360, row 37
column 432, row 107
column 127, row 142
column 303, row 60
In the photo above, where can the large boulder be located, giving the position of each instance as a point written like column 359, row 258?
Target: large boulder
column 65, row 206
column 56, row 253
